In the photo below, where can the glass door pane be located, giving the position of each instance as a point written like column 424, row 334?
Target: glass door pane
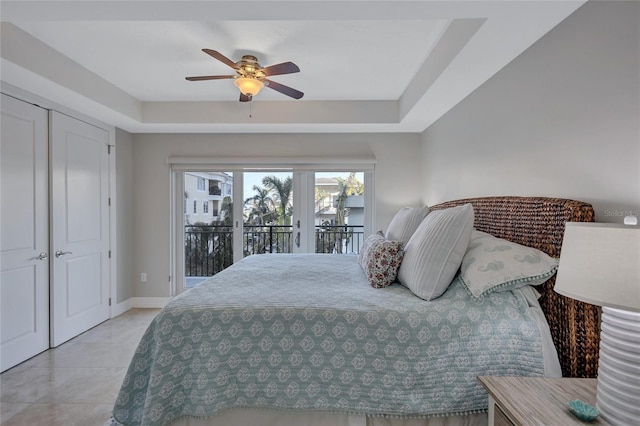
column 208, row 224
column 339, row 212
column 267, row 212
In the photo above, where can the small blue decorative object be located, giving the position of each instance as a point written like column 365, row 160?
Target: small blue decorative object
column 583, row 411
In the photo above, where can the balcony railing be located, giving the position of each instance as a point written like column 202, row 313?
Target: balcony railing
column 209, row 249
column 345, row 239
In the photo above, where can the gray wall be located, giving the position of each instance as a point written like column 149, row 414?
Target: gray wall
column 561, row 120
column 124, row 215
column 397, row 181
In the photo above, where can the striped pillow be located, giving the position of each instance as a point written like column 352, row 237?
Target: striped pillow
column 405, row 223
column 434, row 253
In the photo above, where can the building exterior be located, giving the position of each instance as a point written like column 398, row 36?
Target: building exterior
column 327, row 191
column 203, row 196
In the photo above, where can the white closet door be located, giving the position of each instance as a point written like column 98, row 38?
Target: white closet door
column 24, row 232
column 80, row 227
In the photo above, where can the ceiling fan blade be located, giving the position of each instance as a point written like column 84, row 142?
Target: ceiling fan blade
column 278, row 69
column 209, row 77
column 219, row 56
column 285, row 90
column 245, row 98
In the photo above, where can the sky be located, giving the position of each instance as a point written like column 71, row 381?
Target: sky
column 255, row 178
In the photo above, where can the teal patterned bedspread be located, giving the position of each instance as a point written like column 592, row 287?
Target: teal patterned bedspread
column 307, row 332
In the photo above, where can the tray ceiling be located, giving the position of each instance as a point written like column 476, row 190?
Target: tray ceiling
column 366, row 66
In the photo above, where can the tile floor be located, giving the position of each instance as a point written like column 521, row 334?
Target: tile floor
column 77, row 382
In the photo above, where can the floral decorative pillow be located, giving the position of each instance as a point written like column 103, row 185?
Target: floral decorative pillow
column 493, row 264
column 380, row 259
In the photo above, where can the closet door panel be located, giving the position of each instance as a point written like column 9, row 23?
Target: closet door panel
column 80, row 227
column 24, row 232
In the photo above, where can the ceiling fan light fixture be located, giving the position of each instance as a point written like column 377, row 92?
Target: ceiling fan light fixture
column 248, row 86
column 250, row 77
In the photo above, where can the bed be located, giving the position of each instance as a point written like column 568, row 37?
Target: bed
column 307, row 339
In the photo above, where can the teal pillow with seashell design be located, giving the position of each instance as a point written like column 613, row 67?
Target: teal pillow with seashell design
column 493, row 264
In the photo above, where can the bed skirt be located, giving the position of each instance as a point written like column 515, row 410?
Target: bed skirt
column 253, row 417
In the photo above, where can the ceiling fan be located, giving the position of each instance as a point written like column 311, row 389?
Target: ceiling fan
column 250, row 77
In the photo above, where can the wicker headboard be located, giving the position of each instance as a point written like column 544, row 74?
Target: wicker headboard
column 539, row 222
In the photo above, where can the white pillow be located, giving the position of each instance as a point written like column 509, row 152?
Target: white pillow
column 405, row 223
column 493, row 264
column 433, row 254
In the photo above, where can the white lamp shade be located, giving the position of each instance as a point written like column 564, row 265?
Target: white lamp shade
column 600, row 264
column 248, row 86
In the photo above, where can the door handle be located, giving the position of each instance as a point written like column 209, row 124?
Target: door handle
column 59, row 253
column 298, row 240
column 41, row 256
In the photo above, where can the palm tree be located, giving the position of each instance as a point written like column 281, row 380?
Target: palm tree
column 221, row 254
column 346, row 188
column 321, row 195
column 262, row 207
column 281, row 190
column 226, row 211
column 357, row 187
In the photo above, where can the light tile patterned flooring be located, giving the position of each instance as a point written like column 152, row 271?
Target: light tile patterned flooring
column 77, row 382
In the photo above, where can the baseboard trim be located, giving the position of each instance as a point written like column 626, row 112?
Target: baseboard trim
column 149, row 302
column 138, row 302
column 121, row 308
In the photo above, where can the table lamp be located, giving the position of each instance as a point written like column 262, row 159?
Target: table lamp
column 600, row 265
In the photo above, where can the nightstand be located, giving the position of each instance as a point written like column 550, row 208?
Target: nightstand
column 525, row 401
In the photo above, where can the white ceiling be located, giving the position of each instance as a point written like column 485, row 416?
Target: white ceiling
column 366, row 66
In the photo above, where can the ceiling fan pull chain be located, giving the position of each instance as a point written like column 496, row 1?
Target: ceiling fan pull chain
column 250, row 109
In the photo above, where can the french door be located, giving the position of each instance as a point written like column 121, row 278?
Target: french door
column 304, row 211
column 207, row 224
column 221, row 215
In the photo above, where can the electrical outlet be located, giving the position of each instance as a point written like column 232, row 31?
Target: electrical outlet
column 143, row 277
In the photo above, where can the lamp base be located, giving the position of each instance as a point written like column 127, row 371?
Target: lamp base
column 618, row 394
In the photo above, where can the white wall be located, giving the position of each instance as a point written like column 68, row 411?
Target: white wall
column 397, row 183
column 562, row 120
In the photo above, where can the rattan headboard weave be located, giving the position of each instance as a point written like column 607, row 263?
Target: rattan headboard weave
column 539, row 222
